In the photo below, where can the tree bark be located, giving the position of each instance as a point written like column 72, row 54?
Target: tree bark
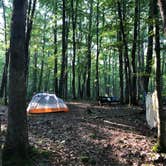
column 162, row 5
column 43, row 56
column 31, row 12
column 126, row 58
column 134, row 48
column 119, row 36
column 161, row 112
column 74, row 26
column 56, row 89
column 34, row 84
column 98, row 52
column 17, row 132
column 88, row 81
column 62, row 82
column 150, row 47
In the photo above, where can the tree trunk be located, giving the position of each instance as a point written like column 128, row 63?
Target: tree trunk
column 31, row 11
column 4, row 82
column 98, row 52
column 56, row 89
column 66, row 52
column 162, row 5
column 88, row 82
column 63, row 64
column 74, row 23
column 120, row 66
column 126, row 58
column 150, row 47
column 43, row 57
column 161, row 112
column 134, row 48
column 17, row 133
column 34, row 84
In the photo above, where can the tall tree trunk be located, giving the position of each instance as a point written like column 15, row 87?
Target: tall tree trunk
column 105, row 73
column 41, row 69
column 63, row 64
column 34, row 84
column 31, row 12
column 56, row 91
column 119, row 36
column 74, row 23
column 47, row 78
column 98, row 52
column 150, row 47
column 126, row 58
column 88, row 82
column 134, row 48
column 79, row 71
column 43, row 57
column 4, row 82
column 66, row 56
column 161, row 112
column 17, row 133
column 162, row 5
column 139, row 64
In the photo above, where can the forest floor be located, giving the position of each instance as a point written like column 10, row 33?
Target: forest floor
column 92, row 135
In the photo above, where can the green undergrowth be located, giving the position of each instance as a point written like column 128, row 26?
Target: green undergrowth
column 158, row 149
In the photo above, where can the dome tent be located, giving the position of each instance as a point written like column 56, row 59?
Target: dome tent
column 46, row 103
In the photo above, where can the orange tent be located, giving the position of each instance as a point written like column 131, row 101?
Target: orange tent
column 46, row 103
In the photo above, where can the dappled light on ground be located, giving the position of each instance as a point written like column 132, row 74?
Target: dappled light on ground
column 93, row 135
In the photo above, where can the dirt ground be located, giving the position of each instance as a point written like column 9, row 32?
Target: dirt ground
column 92, row 135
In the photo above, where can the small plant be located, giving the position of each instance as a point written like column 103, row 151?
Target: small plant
column 84, row 158
column 156, row 148
column 93, row 136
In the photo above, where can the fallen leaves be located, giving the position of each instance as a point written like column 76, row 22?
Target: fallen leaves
column 93, row 135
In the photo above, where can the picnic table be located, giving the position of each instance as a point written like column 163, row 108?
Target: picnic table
column 107, row 100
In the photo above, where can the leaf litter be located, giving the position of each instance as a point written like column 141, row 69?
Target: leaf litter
column 92, row 135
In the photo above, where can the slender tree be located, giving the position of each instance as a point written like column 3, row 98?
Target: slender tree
column 34, row 84
column 98, row 51
column 43, row 55
column 74, row 6
column 63, row 64
column 29, row 23
column 88, row 79
column 4, row 82
column 119, row 38
column 134, row 48
column 55, row 50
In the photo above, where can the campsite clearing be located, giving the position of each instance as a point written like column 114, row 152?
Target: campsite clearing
column 92, row 135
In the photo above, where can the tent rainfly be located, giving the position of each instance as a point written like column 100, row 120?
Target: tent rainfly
column 46, row 103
